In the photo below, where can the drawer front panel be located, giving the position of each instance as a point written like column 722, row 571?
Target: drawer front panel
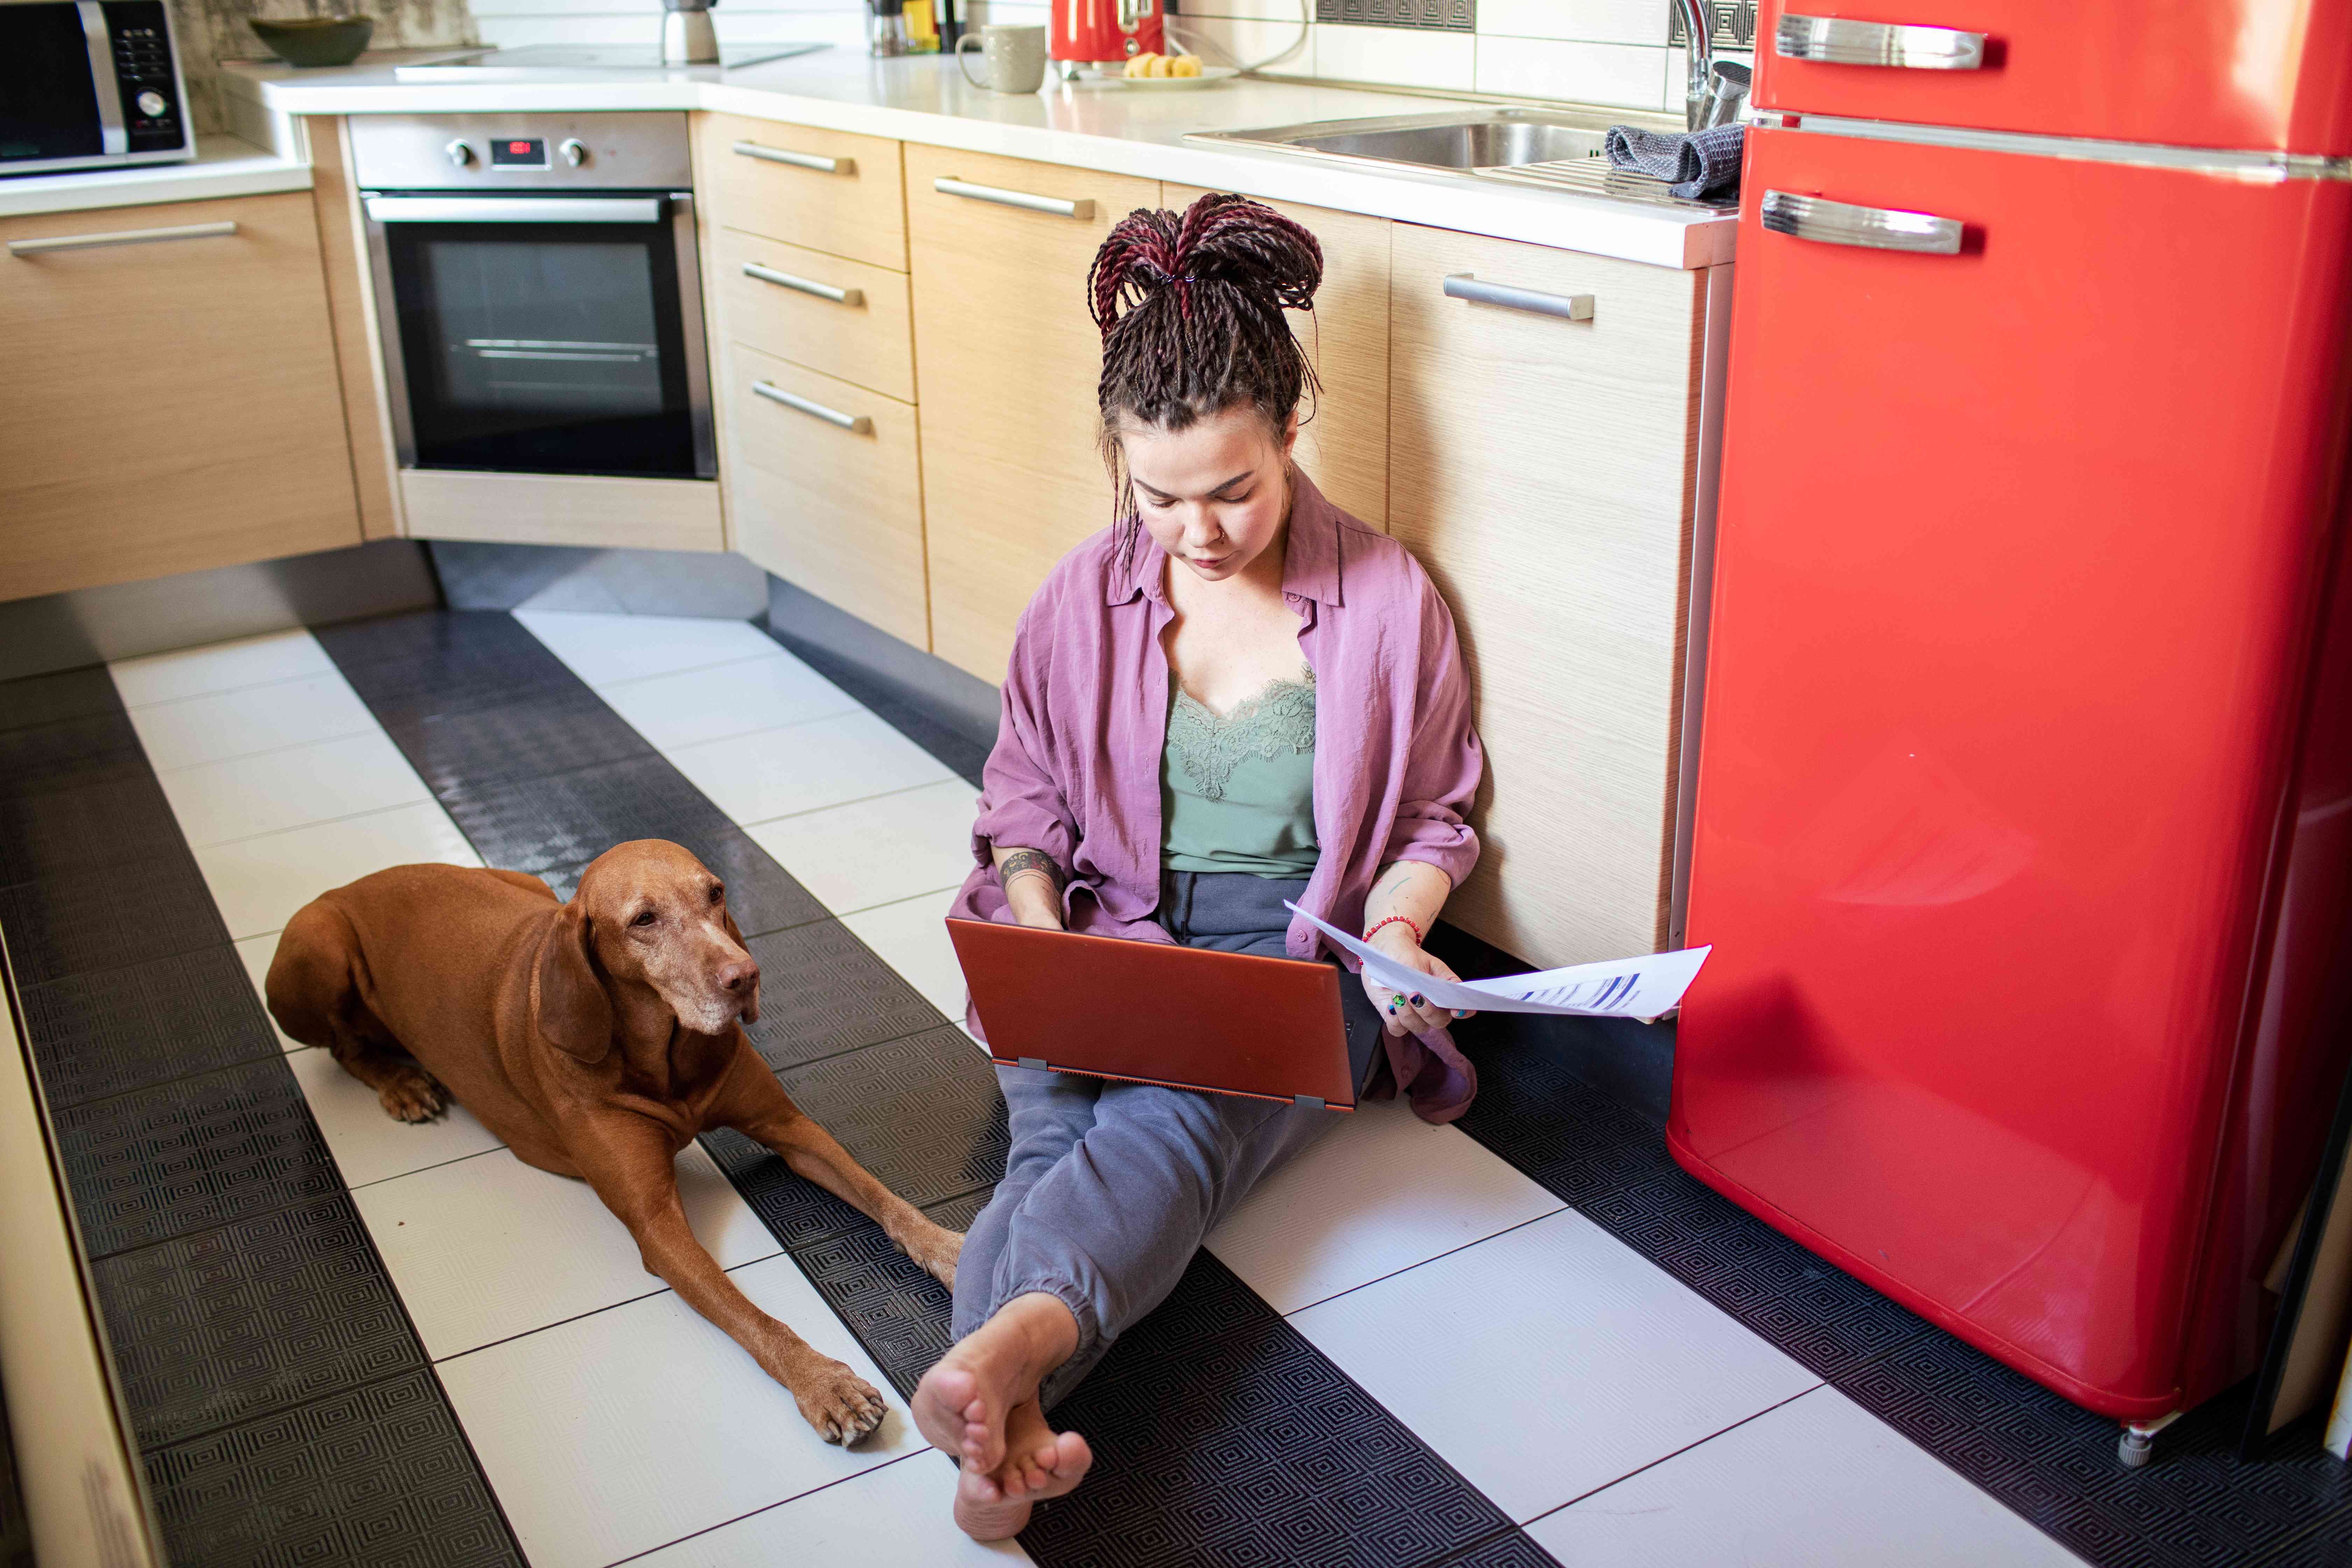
column 757, row 176
column 844, row 318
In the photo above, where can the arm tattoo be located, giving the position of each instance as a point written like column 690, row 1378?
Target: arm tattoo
column 1030, row 861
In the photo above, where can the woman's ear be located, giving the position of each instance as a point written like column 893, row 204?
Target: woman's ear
column 568, row 1004
column 1289, row 434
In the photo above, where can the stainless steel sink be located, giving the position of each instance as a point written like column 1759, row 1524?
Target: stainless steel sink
column 1555, row 147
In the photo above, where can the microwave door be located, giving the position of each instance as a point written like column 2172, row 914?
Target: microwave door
column 61, row 107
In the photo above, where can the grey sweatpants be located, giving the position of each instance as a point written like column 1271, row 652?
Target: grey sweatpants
column 1110, row 1187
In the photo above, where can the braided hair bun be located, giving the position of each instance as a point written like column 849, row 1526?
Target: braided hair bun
column 1191, row 307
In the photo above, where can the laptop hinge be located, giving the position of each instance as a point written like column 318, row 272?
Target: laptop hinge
column 1037, row 1062
column 1308, row 1101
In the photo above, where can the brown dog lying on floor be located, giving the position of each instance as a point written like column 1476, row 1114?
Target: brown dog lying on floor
column 595, row 1037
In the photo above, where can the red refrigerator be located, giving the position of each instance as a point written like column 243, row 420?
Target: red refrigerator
column 2023, row 822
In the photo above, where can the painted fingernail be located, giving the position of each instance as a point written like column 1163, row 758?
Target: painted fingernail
column 1419, row 1000
column 1460, row 1014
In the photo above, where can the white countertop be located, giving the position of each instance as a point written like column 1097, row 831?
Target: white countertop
column 223, row 166
column 1117, row 130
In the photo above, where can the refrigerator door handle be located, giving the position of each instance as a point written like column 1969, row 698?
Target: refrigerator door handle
column 1871, row 228
column 1839, row 41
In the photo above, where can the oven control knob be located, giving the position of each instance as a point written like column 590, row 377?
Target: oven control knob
column 152, row 103
column 574, row 150
column 459, row 154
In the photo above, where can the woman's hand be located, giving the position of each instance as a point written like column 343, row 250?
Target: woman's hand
column 1408, row 1012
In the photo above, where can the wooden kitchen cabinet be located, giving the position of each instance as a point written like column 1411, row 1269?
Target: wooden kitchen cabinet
column 827, row 190
column 1544, row 471
column 1006, row 363
column 169, row 404
column 1344, row 446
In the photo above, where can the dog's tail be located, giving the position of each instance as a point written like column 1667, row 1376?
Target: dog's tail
column 311, row 978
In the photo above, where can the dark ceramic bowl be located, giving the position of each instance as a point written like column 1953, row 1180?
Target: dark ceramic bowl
column 316, row 40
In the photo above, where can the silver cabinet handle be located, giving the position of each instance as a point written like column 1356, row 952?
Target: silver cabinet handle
column 1567, row 307
column 797, row 160
column 805, row 284
column 120, row 237
column 856, row 424
column 1873, row 228
column 1837, row 41
column 1082, row 207
column 514, row 209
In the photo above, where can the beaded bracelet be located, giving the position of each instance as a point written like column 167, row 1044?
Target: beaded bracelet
column 1408, row 925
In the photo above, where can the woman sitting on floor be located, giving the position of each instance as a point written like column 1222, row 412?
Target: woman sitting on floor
column 1235, row 695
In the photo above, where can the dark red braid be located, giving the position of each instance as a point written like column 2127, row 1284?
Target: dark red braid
column 1190, row 308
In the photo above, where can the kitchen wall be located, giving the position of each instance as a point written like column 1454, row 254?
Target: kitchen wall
column 213, row 30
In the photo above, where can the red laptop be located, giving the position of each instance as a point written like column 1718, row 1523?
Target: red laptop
column 1189, row 1017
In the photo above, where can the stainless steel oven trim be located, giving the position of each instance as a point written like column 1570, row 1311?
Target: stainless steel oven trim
column 512, row 209
column 697, row 347
column 692, row 336
column 97, row 39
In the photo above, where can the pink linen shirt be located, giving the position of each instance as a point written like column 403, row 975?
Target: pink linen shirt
column 1076, row 768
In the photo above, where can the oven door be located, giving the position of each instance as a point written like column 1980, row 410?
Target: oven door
column 543, row 334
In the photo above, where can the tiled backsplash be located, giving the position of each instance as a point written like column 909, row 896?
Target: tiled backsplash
column 1621, row 53
column 212, row 30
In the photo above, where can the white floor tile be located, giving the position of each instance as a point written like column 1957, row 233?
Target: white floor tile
column 217, row 802
column 490, row 1247
column 895, row 1517
column 211, row 729
column 725, row 700
column 806, row 767
column 602, row 649
column 881, row 850
column 219, row 667
column 1381, row 1191
column 911, row 937
column 1546, row 1363
column 258, row 883
column 255, row 953
column 1817, row 1483
column 627, row 1430
column 369, row 1145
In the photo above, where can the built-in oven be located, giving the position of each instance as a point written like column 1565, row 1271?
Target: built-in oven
column 538, row 292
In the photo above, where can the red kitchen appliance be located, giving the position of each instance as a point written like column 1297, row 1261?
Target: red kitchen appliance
column 2023, row 832
column 1104, row 32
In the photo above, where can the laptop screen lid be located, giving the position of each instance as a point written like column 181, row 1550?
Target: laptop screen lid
column 1189, row 1017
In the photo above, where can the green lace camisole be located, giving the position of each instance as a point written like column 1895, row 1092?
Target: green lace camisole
column 1237, row 789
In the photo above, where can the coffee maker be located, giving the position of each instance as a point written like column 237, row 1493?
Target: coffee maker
column 1103, row 32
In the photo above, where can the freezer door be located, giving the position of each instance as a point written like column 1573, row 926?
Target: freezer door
column 2263, row 75
column 2018, row 553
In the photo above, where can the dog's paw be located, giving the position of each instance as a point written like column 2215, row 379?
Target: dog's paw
column 936, row 1254
column 412, row 1094
column 843, row 1406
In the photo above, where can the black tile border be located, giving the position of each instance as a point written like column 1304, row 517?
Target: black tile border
column 905, row 1091
column 253, row 1324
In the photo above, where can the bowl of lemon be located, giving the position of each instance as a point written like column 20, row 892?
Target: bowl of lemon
column 1153, row 70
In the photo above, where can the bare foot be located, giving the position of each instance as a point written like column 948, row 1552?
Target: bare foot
column 1039, row 1463
column 961, row 1404
column 412, row 1094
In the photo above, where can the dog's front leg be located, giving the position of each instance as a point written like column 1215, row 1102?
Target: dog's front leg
column 638, row 1179
column 762, row 1111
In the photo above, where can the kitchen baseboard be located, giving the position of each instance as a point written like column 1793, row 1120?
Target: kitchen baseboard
column 949, row 713
column 124, row 620
column 562, row 509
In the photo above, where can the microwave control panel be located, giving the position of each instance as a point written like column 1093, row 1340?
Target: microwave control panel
column 146, row 74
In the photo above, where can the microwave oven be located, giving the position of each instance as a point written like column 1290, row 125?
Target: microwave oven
column 89, row 84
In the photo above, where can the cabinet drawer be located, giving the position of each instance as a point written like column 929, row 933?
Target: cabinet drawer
column 172, row 401
column 770, row 179
column 781, row 299
column 838, row 511
column 1544, row 471
column 1007, row 361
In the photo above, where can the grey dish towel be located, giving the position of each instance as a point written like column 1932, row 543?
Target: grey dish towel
column 1699, row 163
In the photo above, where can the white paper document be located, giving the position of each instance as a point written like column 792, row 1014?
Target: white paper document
column 1642, row 987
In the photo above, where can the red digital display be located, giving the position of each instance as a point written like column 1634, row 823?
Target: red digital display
column 521, row 153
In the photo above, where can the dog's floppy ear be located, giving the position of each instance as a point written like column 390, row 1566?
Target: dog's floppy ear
column 568, row 1001
column 735, row 935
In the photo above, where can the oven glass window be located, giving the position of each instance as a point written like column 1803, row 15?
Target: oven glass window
column 543, row 348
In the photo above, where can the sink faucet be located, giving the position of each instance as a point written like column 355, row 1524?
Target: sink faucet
column 1698, row 45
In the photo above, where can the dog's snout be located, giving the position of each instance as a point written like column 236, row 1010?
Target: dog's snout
column 740, row 976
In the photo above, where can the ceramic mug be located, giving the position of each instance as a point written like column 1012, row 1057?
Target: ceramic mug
column 1012, row 57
